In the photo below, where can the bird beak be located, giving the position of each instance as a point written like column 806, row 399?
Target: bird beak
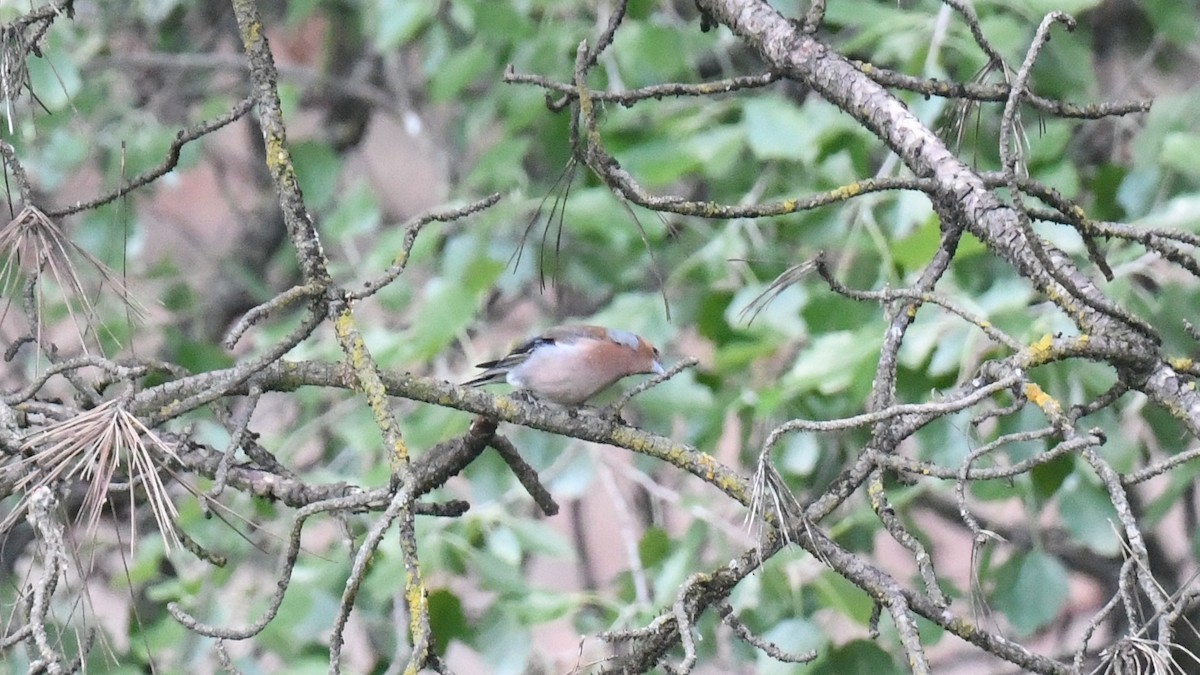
column 657, row 368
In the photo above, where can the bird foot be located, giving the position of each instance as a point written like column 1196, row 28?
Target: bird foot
column 524, row 396
column 612, row 414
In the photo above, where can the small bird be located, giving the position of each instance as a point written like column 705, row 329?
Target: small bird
column 570, row 364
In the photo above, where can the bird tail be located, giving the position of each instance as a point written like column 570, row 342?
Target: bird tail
column 497, row 371
column 486, row 377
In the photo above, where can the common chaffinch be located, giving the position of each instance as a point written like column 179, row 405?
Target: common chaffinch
column 570, row 364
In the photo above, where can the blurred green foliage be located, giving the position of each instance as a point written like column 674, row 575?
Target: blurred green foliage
column 809, row 354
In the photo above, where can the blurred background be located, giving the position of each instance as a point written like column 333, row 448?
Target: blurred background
column 395, row 107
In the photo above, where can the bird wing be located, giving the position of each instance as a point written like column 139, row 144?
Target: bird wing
column 497, row 371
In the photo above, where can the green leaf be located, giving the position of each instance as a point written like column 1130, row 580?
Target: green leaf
column 54, row 77
column 737, row 355
column 658, row 162
column 671, row 575
column 574, row 476
column 1090, row 516
column 800, row 454
column 502, row 22
column 500, row 166
column 950, row 351
column 459, row 71
column 1179, row 152
column 948, row 442
column 592, row 212
column 503, row 641
column 1182, row 479
column 775, row 129
column 302, row 617
column 998, row 490
column 654, row 547
column 317, row 171
column 447, row 619
column 911, row 212
column 1048, row 478
column 1040, row 8
column 392, row 23
column 783, row 313
column 537, row 537
column 716, row 149
column 68, row 151
column 682, row 392
column 915, row 250
column 198, row 357
column 1174, row 20
column 357, row 212
column 503, row 544
column 1030, row 589
column 641, row 313
column 499, row 574
column 835, row 361
column 541, row 606
column 837, row 592
column 679, row 564
column 1064, row 177
column 858, row 657
column 157, row 639
column 1103, row 184
column 649, row 54
column 442, row 548
column 1048, row 142
column 299, row 10
column 794, row 636
column 449, row 302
